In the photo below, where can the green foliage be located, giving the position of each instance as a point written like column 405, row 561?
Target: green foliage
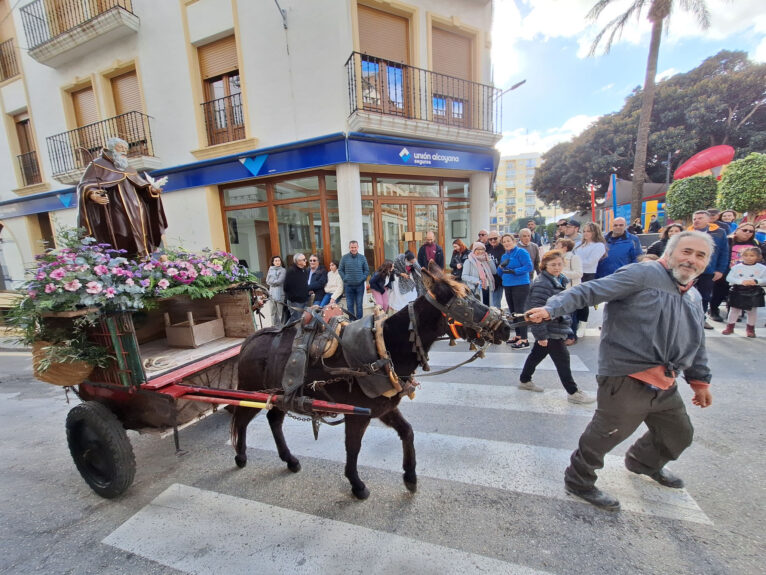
column 519, row 223
column 688, row 195
column 743, row 185
column 719, row 102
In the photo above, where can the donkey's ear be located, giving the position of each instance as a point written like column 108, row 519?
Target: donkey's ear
column 428, row 278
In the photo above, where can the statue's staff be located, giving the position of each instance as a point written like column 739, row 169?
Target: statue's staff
column 101, row 192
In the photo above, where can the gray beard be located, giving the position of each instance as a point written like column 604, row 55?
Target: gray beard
column 120, row 161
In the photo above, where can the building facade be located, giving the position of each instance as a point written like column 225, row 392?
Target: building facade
column 285, row 127
column 514, row 196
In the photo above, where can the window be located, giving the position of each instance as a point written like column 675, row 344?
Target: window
column 28, row 166
column 219, row 68
column 451, row 84
column 130, row 123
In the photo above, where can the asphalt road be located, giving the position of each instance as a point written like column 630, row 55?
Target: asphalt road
column 490, row 497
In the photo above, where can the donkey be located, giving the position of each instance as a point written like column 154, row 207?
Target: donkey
column 447, row 305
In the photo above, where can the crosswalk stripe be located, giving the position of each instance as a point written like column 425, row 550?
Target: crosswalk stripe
column 506, row 397
column 503, row 360
column 208, row 532
column 516, row 467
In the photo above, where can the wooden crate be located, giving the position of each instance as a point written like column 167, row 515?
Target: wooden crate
column 194, row 332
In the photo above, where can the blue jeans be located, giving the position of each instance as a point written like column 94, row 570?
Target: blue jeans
column 325, row 300
column 497, row 295
column 296, row 313
column 355, row 298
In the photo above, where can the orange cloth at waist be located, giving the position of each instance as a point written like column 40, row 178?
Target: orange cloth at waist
column 656, row 376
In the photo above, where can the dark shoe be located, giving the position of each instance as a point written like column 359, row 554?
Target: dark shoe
column 750, row 331
column 707, row 325
column 513, row 340
column 729, row 329
column 596, row 497
column 715, row 316
column 663, row 476
column 520, row 344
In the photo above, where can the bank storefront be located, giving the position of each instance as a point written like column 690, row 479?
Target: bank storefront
column 394, row 191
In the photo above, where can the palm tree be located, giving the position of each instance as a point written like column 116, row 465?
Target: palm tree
column 659, row 11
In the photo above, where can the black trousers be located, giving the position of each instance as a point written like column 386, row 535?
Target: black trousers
column 624, row 403
column 516, row 298
column 559, row 354
column 720, row 293
column 704, row 285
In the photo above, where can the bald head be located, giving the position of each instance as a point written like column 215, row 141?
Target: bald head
column 618, row 226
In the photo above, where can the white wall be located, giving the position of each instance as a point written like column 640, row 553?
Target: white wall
column 188, row 222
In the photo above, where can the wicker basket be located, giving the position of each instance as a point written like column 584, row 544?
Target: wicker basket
column 64, row 374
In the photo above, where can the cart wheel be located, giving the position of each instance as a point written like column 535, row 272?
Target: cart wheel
column 100, row 448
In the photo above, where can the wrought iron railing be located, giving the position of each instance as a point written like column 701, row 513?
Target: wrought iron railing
column 9, row 66
column 30, row 169
column 396, row 89
column 45, row 20
column 224, row 121
column 73, row 150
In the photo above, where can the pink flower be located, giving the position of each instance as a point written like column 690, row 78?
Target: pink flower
column 101, row 270
column 74, row 285
column 218, row 268
column 40, row 276
column 148, row 267
column 163, row 283
column 129, row 282
column 117, row 271
column 32, row 293
column 50, row 288
column 206, row 272
column 172, row 272
column 110, row 292
column 93, row 287
column 57, row 274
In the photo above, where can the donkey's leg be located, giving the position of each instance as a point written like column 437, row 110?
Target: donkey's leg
column 276, row 417
column 355, row 427
column 242, row 416
column 396, row 420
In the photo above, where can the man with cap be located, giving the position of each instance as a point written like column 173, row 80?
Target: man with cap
column 572, row 231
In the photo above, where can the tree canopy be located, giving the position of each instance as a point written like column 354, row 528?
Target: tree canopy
column 688, row 195
column 722, row 101
column 743, row 186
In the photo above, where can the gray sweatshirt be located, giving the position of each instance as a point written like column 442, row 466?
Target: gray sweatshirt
column 647, row 323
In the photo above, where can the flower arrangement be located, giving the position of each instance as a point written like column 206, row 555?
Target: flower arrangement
column 84, row 279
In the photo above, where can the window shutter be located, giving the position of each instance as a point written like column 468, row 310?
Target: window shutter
column 383, row 35
column 84, row 102
column 127, row 96
column 218, row 58
column 451, row 54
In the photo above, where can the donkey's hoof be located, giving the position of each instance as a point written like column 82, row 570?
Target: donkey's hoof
column 362, row 493
column 411, row 483
column 294, row 466
column 240, row 461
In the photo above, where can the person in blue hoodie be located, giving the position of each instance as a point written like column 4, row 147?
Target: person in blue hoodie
column 719, row 261
column 514, row 269
column 622, row 248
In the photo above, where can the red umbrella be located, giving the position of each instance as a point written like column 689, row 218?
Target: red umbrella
column 708, row 159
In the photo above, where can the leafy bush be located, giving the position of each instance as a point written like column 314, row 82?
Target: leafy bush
column 743, row 185
column 688, row 195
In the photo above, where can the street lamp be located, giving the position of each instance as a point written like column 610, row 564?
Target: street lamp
column 516, row 85
column 667, row 163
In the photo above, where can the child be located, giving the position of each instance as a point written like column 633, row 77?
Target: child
column 381, row 283
column 549, row 336
column 746, row 293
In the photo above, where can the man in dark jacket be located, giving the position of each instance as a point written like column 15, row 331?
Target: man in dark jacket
column 317, row 278
column 654, row 225
column 496, row 251
column 718, row 262
column 297, row 285
column 622, row 248
column 430, row 251
column 531, row 226
column 353, row 270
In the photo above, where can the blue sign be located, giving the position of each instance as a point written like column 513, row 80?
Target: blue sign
column 419, row 156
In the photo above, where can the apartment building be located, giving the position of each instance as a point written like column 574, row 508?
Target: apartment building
column 514, row 196
column 286, row 126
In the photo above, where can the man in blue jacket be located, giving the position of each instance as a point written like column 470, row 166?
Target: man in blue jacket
column 716, row 269
column 622, row 248
column 353, row 270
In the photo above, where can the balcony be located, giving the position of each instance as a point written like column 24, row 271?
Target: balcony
column 9, row 66
column 29, row 169
column 224, row 121
column 402, row 100
column 71, row 152
column 61, row 31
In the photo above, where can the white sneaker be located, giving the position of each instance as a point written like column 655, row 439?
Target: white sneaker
column 581, row 327
column 580, row 396
column 530, row 386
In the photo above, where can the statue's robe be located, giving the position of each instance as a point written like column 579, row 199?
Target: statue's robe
column 135, row 210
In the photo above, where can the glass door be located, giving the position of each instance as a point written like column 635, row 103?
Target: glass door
column 393, row 226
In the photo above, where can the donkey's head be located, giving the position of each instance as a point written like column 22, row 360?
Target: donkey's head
column 464, row 315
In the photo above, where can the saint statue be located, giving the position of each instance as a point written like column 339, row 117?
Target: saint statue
column 119, row 207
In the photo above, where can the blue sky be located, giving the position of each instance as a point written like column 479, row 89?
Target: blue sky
column 546, row 43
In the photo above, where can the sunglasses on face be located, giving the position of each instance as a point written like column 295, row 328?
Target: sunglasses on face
column 747, row 231
column 493, row 239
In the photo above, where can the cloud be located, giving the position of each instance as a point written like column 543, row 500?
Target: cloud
column 759, row 55
column 545, row 19
column 665, row 74
column 521, row 141
column 604, row 88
